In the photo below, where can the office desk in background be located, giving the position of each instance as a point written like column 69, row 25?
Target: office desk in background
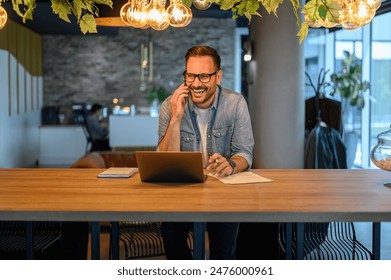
column 133, row 131
column 296, row 195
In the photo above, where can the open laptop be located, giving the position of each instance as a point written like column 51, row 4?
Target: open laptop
column 157, row 166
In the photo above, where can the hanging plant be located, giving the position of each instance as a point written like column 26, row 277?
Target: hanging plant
column 316, row 13
column 85, row 11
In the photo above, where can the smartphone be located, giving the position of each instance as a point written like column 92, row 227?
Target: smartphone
column 188, row 93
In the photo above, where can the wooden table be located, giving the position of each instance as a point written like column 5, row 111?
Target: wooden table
column 296, row 195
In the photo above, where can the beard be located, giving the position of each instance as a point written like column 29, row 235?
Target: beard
column 202, row 96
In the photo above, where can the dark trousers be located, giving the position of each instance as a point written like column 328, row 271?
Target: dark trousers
column 222, row 240
column 74, row 240
column 258, row 241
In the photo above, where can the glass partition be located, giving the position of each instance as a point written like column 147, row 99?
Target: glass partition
column 380, row 113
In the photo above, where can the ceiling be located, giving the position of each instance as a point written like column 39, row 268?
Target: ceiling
column 45, row 22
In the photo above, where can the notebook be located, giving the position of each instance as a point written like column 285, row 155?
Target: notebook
column 157, row 166
column 118, row 172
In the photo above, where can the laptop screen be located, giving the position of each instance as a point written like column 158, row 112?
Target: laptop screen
column 158, row 166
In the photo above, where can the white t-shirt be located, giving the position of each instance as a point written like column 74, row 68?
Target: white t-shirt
column 202, row 121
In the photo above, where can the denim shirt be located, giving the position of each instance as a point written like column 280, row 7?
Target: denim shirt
column 229, row 130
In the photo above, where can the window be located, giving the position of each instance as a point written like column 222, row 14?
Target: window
column 380, row 110
column 372, row 45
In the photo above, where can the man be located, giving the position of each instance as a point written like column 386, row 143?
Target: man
column 98, row 131
column 94, row 123
column 202, row 116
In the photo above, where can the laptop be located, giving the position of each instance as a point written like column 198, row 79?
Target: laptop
column 158, row 166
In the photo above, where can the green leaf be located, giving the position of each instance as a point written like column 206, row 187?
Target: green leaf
column 187, row 2
column 360, row 102
column 28, row 7
column 247, row 7
column 311, row 8
column 333, row 9
column 322, row 10
column 227, row 4
column 91, row 8
column 88, row 24
column 303, row 32
column 62, row 9
column 78, row 7
column 271, row 5
column 107, row 2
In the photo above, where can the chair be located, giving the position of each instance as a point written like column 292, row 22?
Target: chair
column 139, row 239
column 325, row 149
column 328, row 241
column 46, row 236
column 91, row 143
column 144, row 239
column 88, row 137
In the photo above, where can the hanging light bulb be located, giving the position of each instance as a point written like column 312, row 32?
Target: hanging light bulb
column 179, row 15
column 374, row 3
column 137, row 16
column 365, row 13
column 125, row 9
column 326, row 23
column 202, row 4
column 157, row 15
column 355, row 13
column 352, row 14
column 3, row 17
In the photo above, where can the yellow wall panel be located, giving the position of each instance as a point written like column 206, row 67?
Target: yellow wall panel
column 36, row 55
column 24, row 45
column 20, row 46
column 12, row 37
column 4, row 37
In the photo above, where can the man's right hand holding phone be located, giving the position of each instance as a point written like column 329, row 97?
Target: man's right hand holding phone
column 178, row 101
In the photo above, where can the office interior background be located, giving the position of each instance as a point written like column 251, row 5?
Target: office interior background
column 372, row 46
column 323, row 48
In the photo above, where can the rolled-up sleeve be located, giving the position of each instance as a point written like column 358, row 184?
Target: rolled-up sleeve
column 242, row 143
column 164, row 119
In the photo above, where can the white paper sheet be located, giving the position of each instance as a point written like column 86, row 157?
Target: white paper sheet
column 242, row 178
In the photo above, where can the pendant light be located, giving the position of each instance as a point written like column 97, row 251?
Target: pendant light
column 3, row 17
column 179, row 15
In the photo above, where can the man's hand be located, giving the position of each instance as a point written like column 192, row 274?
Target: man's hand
column 178, row 101
column 171, row 139
column 219, row 165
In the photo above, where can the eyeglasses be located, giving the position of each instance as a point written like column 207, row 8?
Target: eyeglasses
column 204, row 78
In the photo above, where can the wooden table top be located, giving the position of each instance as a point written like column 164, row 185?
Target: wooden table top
column 295, row 195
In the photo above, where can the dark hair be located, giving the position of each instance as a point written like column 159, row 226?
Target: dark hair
column 204, row 51
column 96, row 107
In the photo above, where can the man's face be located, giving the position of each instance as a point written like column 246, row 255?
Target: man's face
column 202, row 94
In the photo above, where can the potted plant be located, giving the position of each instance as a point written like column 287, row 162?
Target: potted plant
column 155, row 96
column 349, row 85
column 158, row 93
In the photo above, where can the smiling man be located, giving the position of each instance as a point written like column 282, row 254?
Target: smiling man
column 202, row 116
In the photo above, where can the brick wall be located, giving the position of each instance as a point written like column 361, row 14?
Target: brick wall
column 98, row 68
